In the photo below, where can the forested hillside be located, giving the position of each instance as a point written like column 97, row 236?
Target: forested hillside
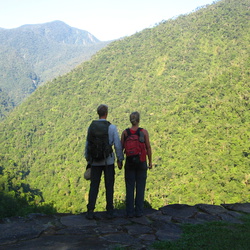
column 189, row 79
column 33, row 54
column 6, row 105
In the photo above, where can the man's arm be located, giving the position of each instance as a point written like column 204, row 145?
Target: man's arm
column 117, row 146
column 86, row 152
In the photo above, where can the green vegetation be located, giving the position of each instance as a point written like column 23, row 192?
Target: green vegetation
column 6, row 105
column 15, row 75
column 33, row 54
column 17, row 198
column 189, row 79
column 213, row 235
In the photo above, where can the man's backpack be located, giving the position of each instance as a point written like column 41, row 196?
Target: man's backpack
column 98, row 140
column 134, row 145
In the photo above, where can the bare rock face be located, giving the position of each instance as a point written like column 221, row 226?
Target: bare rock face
column 39, row 231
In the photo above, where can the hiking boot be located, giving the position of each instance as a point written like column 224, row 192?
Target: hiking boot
column 90, row 215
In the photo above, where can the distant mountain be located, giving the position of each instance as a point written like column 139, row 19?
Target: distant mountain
column 33, row 54
column 17, row 76
column 189, row 79
column 59, row 32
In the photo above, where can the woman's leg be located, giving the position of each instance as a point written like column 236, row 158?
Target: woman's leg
column 141, row 176
column 130, row 187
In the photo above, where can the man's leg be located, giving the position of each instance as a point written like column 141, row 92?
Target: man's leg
column 96, row 173
column 109, row 177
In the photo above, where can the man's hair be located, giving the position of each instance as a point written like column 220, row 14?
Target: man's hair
column 134, row 118
column 102, row 110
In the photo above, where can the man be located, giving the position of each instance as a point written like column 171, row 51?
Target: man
column 104, row 161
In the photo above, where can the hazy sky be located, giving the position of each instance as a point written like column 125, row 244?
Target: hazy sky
column 105, row 19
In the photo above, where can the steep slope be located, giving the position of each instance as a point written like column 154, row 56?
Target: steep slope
column 189, row 79
column 5, row 104
column 41, row 51
column 17, row 77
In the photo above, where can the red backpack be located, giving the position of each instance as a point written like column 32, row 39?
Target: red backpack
column 134, row 145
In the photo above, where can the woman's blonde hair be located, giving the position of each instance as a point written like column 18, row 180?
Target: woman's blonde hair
column 134, row 118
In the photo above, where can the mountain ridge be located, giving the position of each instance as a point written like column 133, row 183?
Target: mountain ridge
column 36, row 53
column 60, row 32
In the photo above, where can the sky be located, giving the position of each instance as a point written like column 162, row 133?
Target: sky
column 105, row 19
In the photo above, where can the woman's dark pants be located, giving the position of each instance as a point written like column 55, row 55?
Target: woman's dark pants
column 135, row 178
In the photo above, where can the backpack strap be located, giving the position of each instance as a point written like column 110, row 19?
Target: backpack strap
column 128, row 132
column 138, row 132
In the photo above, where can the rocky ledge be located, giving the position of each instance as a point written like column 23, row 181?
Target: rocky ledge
column 66, row 231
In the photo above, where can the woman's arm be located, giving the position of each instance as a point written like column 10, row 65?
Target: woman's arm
column 148, row 148
column 123, row 138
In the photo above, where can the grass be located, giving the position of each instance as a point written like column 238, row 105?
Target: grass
column 213, row 235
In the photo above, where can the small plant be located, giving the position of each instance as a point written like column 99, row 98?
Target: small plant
column 213, row 235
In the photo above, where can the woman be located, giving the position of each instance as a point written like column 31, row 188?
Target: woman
column 136, row 169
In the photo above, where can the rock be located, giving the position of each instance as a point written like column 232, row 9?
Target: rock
column 77, row 221
column 240, row 207
column 21, row 229
column 179, row 210
column 211, row 209
column 158, row 216
column 204, row 217
column 229, row 218
column 136, row 229
column 169, row 232
column 67, row 231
